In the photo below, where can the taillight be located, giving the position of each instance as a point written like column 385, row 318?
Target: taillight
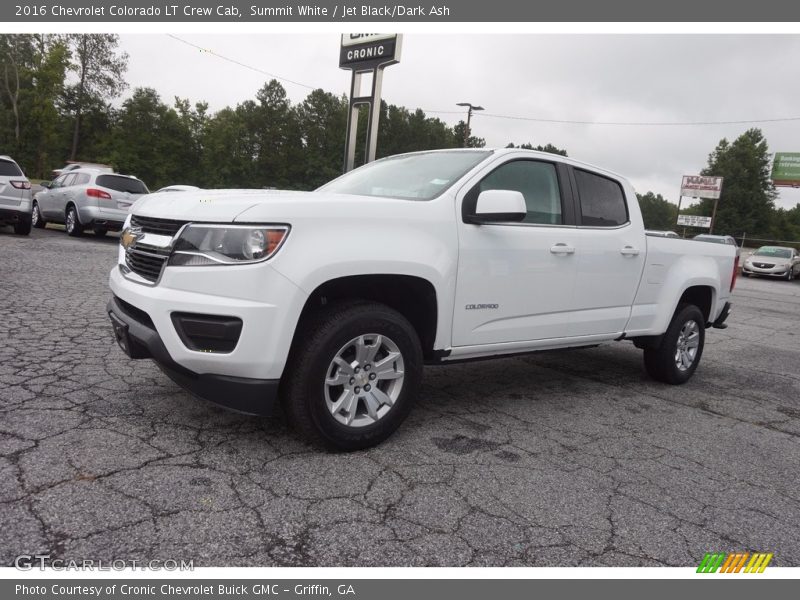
column 95, row 193
column 21, row 185
column 735, row 271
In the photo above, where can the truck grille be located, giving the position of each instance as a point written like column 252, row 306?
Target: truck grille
column 147, row 263
column 158, row 226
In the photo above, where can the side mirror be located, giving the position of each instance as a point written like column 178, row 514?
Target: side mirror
column 495, row 206
column 46, row 184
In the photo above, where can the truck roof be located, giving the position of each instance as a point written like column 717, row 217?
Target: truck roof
column 533, row 153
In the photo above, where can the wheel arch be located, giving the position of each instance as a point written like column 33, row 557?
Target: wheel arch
column 412, row 296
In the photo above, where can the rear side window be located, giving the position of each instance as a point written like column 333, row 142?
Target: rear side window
column 602, row 200
column 81, row 179
column 9, row 169
column 122, row 184
column 536, row 181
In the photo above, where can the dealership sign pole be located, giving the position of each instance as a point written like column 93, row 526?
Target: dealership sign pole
column 700, row 186
column 366, row 53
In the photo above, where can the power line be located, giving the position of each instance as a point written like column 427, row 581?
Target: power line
column 241, row 64
column 509, row 117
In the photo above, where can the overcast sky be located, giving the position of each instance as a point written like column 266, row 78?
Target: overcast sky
column 639, row 78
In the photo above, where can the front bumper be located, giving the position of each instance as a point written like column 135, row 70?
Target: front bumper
column 139, row 339
column 776, row 271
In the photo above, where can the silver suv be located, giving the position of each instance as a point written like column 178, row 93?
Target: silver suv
column 15, row 197
column 87, row 199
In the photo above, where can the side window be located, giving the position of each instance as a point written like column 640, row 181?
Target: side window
column 538, row 183
column 81, row 179
column 68, row 180
column 58, row 182
column 602, row 200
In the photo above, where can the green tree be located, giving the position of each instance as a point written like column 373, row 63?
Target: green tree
column 546, row 148
column 15, row 56
column 322, row 119
column 151, row 141
column 472, row 142
column 657, row 212
column 747, row 203
column 100, row 69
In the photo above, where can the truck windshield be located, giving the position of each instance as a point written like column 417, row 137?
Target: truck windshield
column 419, row 176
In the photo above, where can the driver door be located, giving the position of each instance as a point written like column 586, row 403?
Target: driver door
column 516, row 280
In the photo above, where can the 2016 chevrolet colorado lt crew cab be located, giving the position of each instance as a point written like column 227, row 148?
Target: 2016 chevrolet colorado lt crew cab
column 332, row 300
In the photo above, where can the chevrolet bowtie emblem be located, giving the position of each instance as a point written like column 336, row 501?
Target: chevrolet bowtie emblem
column 129, row 236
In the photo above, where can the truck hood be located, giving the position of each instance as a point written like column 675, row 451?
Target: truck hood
column 257, row 206
column 205, row 205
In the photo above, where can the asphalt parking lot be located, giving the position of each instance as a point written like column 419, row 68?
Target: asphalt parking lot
column 561, row 459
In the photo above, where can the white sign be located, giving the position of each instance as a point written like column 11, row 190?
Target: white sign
column 356, row 39
column 699, row 186
column 694, row 221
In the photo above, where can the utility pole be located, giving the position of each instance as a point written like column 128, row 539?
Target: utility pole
column 469, row 118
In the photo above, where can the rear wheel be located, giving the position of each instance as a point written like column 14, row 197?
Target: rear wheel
column 353, row 375
column 36, row 217
column 72, row 223
column 675, row 359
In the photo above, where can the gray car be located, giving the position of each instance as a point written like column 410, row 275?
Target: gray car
column 773, row 261
column 87, row 199
column 716, row 239
column 15, row 197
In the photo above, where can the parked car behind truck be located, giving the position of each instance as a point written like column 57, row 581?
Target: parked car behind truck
column 87, row 199
column 773, row 261
column 15, row 196
column 331, row 301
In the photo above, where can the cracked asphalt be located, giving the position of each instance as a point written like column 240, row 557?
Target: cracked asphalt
column 560, row 459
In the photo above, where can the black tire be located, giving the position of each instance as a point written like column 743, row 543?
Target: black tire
column 36, row 217
column 320, row 338
column 788, row 275
column 745, row 274
column 660, row 363
column 22, row 227
column 73, row 226
column 100, row 232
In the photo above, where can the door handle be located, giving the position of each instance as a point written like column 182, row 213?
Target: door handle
column 629, row 251
column 562, row 248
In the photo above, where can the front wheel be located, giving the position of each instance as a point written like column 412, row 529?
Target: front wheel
column 353, row 375
column 675, row 359
column 36, row 217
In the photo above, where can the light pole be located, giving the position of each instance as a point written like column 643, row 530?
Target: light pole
column 469, row 118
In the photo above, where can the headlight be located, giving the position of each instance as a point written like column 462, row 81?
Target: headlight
column 199, row 245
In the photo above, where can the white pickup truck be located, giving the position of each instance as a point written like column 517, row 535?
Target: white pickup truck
column 331, row 301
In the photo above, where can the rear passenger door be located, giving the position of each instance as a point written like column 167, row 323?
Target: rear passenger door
column 610, row 251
